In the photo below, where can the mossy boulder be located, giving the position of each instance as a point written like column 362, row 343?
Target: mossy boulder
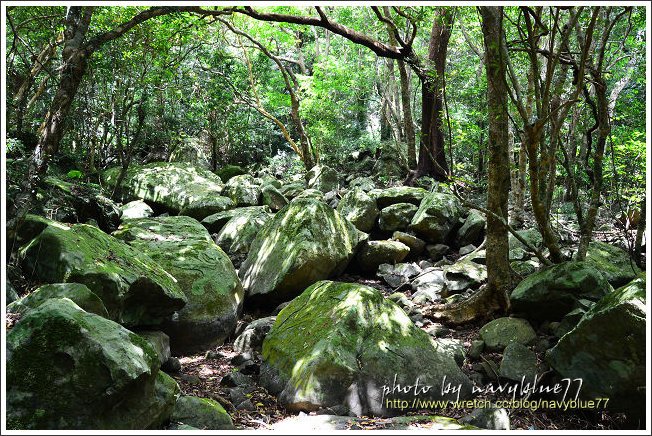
column 272, row 197
column 553, row 292
column 340, row 344
column 463, row 275
column 359, row 208
column 374, row 253
column 202, row 270
column 472, row 230
column 438, row 217
column 178, row 187
column 239, row 232
column 216, row 221
column 78, row 293
column 305, row 242
column 292, row 189
column 613, row 262
column 135, row 289
column 227, row 172
column 322, row 178
column 190, row 150
column 517, row 250
column 607, row 350
column 201, row 413
column 364, row 183
column 136, row 209
column 70, row 369
column 243, row 190
column 396, row 217
column 314, row 194
column 501, row 332
column 398, row 194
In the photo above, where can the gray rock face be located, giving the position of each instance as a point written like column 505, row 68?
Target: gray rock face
column 216, row 221
column 518, row 362
column 398, row 194
column 463, row 275
column 272, row 197
column 179, row 187
column 322, row 177
column 437, row 217
column 364, row 183
column 472, row 230
column 251, row 339
column 201, row 413
column 108, row 376
column 135, row 290
column 78, row 293
column 202, row 270
column 501, row 332
column 238, row 233
column 396, row 217
column 305, row 242
column 416, row 245
column 160, row 343
column 428, row 286
column 437, row 251
column 607, row 350
column 136, row 209
column 399, row 274
column 331, row 346
column 374, row 253
column 490, row 418
column 551, row 293
column 357, row 207
column 243, row 190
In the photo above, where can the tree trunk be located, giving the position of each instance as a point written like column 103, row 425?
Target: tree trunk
column 432, row 158
column 638, row 242
column 498, row 269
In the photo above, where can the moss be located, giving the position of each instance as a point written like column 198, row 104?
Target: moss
column 78, row 293
column 398, row 194
column 202, row 270
column 58, row 350
column 438, row 215
column 305, row 242
column 337, row 339
column 134, row 289
column 175, row 186
column 613, row 263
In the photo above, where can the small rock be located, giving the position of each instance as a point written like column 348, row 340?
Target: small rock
column 249, row 367
column 424, row 264
column 241, row 358
column 437, row 330
column 500, row 332
column 416, row 245
column 518, row 362
column 467, row 249
column 191, row 379
column 211, row 354
column 476, row 349
column 236, row 378
column 246, row 405
column 172, row 365
column 490, row 418
column 239, row 394
column 437, row 251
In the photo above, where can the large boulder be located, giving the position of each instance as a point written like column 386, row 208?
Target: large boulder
column 613, row 262
column 322, row 177
column 607, row 350
column 344, row 344
column 216, row 221
column 227, row 172
column 190, row 150
column 178, row 187
column 501, row 332
column 374, row 253
column 243, row 190
column 438, row 216
column 398, row 194
column 272, row 197
column 136, row 209
column 359, row 208
column 78, row 293
column 239, row 232
column 203, row 271
column 472, row 230
column 135, row 289
column 70, row 369
column 553, row 292
column 396, row 217
column 201, row 413
column 305, row 242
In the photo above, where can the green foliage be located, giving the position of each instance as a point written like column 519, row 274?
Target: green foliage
column 75, row 174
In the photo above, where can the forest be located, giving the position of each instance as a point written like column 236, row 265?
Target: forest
column 325, row 218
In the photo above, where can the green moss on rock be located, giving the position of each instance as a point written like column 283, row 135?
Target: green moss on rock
column 203, row 272
column 135, row 290
column 339, row 343
column 178, row 187
column 201, row 413
column 305, row 242
column 437, row 217
column 78, row 293
column 70, row 369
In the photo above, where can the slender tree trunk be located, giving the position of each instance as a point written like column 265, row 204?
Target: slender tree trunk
column 498, row 269
column 432, row 157
column 638, row 242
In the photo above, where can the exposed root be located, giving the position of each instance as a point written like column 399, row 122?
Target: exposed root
column 480, row 305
